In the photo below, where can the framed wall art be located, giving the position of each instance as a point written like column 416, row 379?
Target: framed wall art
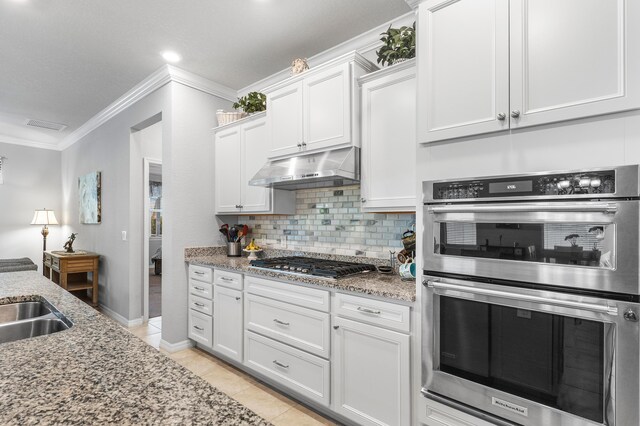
column 89, row 198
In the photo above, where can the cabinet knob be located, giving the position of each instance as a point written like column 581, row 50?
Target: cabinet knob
column 515, row 113
column 363, row 200
column 238, row 298
column 299, row 145
column 501, row 116
column 304, row 144
column 335, row 327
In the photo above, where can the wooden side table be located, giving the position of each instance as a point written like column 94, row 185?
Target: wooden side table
column 69, row 271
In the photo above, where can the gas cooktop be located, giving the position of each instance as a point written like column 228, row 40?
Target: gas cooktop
column 308, row 266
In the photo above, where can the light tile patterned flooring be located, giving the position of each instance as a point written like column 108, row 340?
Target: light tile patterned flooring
column 266, row 402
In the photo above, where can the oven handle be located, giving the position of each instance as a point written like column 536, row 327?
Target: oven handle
column 608, row 208
column 592, row 307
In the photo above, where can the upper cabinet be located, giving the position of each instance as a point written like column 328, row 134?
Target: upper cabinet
column 317, row 109
column 388, row 172
column 240, row 151
column 490, row 65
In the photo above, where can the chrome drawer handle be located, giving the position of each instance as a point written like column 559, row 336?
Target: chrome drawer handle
column 368, row 311
column 226, row 279
column 198, row 328
column 198, row 288
column 199, row 304
column 198, row 272
column 279, row 364
column 277, row 321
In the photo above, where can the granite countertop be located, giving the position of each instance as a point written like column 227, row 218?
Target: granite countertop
column 98, row 373
column 375, row 284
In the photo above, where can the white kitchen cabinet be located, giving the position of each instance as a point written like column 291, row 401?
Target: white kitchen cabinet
column 489, row 65
column 388, row 169
column 200, row 328
column 370, row 374
column 228, row 328
column 317, row 109
column 240, row 151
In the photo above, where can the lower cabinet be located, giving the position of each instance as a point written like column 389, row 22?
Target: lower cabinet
column 370, row 374
column 200, row 328
column 227, row 333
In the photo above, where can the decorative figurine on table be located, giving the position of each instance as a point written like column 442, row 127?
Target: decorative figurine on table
column 69, row 244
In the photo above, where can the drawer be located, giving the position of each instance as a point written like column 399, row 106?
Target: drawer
column 302, row 328
column 376, row 312
column 302, row 372
column 201, row 328
column 55, row 262
column 200, row 289
column 228, row 279
column 201, row 273
column 47, row 259
column 289, row 293
column 433, row 413
column 200, row 304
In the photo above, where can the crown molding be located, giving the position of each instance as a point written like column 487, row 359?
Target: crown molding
column 156, row 80
column 390, row 70
column 362, row 43
column 413, row 4
column 28, row 143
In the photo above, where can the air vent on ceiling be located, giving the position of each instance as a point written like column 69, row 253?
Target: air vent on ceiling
column 46, row 125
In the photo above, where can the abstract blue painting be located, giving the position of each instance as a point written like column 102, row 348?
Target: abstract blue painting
column 89, row 188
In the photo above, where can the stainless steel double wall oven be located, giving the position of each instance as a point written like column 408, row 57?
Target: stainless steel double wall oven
column 532, row 286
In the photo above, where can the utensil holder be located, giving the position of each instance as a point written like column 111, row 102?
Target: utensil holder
column 234, row 249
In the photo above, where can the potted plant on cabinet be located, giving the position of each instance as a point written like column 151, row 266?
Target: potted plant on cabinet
column 252, row 102
column 399, row 44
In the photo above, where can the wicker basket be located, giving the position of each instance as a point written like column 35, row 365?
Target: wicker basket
column 229, row 117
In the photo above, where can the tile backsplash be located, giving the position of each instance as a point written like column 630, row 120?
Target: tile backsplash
column 330, row 221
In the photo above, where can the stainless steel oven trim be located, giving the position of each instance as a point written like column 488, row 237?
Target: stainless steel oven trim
column 621, row 278
column 627, row 186
column 576, row 207
column 622, row 351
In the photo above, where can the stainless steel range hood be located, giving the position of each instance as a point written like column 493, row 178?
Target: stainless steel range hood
column 339, row 167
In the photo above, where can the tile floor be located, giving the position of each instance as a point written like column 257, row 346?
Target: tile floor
column 266, row 402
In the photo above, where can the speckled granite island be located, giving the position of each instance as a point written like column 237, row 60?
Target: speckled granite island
column 99, row 373
column 373, row 284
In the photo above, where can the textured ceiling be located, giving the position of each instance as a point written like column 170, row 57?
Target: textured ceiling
column 66, row 60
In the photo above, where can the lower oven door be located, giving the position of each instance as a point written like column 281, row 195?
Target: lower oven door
column 531, row 357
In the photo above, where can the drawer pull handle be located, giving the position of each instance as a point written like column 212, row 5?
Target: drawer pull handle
column 368, row 311
column 199, row 288
column 199, row 304
column 226, row 279
column 279, row 364
column 277, row 321
column 198, row 272
column 198, row 328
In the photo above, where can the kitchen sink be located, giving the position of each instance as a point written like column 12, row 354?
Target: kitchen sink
column 23, row 310
column 23, row 320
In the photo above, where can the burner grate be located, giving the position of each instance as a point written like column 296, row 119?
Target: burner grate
column 312, row 266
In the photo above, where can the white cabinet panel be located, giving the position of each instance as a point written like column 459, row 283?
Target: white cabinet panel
column 201, row 273
column 284, row 109
column 255, row 149
column 370, row 374
column 200, row 328
column 294, row 294
column 227, row 335
column 201, row 304
column 303, row 328
column 388, row 171
column 464, row 58
column 305, row 373
column 573, row 58
column 327, row 108
column 227, row 170
column 229, row 279
column 377, row 312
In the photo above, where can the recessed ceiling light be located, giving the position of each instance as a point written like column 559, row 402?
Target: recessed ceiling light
column 171, row 56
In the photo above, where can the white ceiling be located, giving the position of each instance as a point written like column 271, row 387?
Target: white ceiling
column 66, row 60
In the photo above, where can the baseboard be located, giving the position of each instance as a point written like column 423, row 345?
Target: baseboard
column 175, row 347
column 119, row 318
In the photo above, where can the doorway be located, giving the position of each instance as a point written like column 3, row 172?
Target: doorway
column 154, row 226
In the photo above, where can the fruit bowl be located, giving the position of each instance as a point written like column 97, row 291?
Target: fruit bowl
column 252, row 253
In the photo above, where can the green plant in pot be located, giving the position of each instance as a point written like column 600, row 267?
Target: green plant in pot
column 252, row 102
column 398, row 44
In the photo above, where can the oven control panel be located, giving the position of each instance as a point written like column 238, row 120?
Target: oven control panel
column 558, row 185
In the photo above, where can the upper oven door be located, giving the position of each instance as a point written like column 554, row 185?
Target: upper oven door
column 587, row 244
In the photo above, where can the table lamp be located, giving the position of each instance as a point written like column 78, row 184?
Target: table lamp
column 44, row 217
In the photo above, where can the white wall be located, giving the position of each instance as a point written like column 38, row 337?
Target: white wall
column 31, row 181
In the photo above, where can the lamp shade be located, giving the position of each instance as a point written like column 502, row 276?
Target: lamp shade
column 44, row 217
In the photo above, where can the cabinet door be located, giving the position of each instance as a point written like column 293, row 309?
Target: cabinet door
column 284, row 120
column 388, row 142
column 227, row 332
column 370, row 374
column 255, row 149
column 573, row 58
column 327, row 108
column 463, row 51
column 227, row 170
